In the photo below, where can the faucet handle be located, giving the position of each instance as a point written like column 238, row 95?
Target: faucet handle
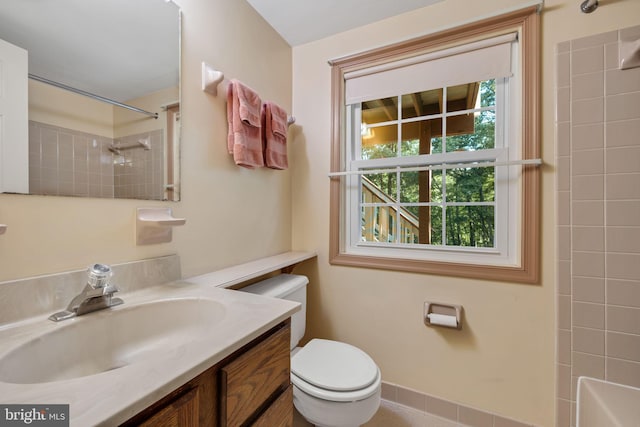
column 99, row 275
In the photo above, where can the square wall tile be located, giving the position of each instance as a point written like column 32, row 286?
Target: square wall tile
column 622, row 81
column 623, row 186
column 564, row 243
column 623, row 239
column 589, row 289
column 474, row 418
column 611, row 56
column 564, row 312
column 623, row 213
column 589, row 341
column 587, row 213
column 563, row 174
column 623, row 107
column 587, row 60
column 587, row 365
column 589, row 111
column 564, row 207
column 442, row 408
column 563, row 105
column 623, row 133
column 623, row 319
column 411, row 398
column 587, row 137
column 587, row 187
column 595, row 40
column 588, row 315
column 587, row 239
column 587, row 162
column 623, row 371
column 623, row 266
column 563, row 139
column 623, row 346
column 588, row 264
column 623, row 160
column 585, row 86
column 563, row 69
column 564, row 347
column 623, row 292
column 564, row 278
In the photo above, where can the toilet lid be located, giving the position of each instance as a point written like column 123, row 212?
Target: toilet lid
column 335, row 366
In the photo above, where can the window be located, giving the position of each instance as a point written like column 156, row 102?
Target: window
column 428, row 141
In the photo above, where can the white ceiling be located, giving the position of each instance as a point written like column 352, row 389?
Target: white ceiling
column 303, row 21
column 119, row 49
column 122, row 49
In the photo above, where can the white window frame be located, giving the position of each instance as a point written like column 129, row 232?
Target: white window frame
column 520, row 261
column 507, row 237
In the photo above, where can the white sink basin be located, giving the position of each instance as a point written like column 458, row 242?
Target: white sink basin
column 603, row 403
column 110, row 339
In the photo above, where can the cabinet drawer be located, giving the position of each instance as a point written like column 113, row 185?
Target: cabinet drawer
column 280, row 413
column 183, row 412
column 251, row 379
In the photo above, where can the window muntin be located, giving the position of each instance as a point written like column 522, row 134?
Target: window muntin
column 448, row 208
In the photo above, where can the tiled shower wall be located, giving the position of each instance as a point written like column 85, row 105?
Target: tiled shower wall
column 598, row 199
column 139, row 173
column 66, row 162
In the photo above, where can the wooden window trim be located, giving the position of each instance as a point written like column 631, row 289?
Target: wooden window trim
column 528, row 21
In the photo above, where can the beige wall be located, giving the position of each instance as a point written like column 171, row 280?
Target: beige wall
column 127, row 122
column 233, row 214
column 503, row 359
column 57, row 107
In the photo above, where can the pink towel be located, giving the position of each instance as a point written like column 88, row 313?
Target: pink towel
column 244, row 139
column 275, row 136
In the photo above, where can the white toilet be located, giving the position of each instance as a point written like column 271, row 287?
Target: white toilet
column 334, row 384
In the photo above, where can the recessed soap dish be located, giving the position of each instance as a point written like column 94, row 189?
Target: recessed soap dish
column 3, row 228
column 154, row 225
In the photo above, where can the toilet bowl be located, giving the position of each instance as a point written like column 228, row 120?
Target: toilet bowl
column 334, row 384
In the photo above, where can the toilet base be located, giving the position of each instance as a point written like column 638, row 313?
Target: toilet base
column 323, row 413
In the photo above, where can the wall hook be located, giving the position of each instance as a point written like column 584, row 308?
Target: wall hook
column 211, row 78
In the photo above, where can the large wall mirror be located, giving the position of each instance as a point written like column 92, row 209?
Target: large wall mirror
column 103, row 111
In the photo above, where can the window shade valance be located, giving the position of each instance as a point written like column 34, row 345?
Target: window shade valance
column 491, row 58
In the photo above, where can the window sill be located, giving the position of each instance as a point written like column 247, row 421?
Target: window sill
column 519, row 274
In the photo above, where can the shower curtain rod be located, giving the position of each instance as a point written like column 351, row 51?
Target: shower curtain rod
column 92, row 95
column 439, row 166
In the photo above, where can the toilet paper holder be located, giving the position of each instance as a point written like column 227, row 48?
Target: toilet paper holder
column 445, row 315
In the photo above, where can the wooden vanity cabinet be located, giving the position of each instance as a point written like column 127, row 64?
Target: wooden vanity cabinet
column 251, row 387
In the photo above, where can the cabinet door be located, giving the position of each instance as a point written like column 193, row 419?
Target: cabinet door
column 256, row 376
column 280, row 413
column 182, row 412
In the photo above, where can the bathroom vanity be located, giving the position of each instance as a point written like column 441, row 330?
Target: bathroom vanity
column 176, row 354
column 251, row 386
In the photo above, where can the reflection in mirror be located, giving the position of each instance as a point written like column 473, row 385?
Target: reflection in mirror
column 86, row 58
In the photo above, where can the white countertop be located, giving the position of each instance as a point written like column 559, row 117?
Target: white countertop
column 231, row 276
column 112, row 397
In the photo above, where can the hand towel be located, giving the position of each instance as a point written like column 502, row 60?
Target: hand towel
column 275, row 136
column 244, row 139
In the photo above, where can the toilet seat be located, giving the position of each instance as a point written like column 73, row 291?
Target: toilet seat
column 334, row 371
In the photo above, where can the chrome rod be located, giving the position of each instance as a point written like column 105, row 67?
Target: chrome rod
column 440, row 166
column 92, row 95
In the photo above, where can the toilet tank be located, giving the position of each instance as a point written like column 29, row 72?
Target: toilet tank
column 292, row 287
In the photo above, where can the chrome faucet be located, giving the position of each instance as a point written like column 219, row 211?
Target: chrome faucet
column 96, row 295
